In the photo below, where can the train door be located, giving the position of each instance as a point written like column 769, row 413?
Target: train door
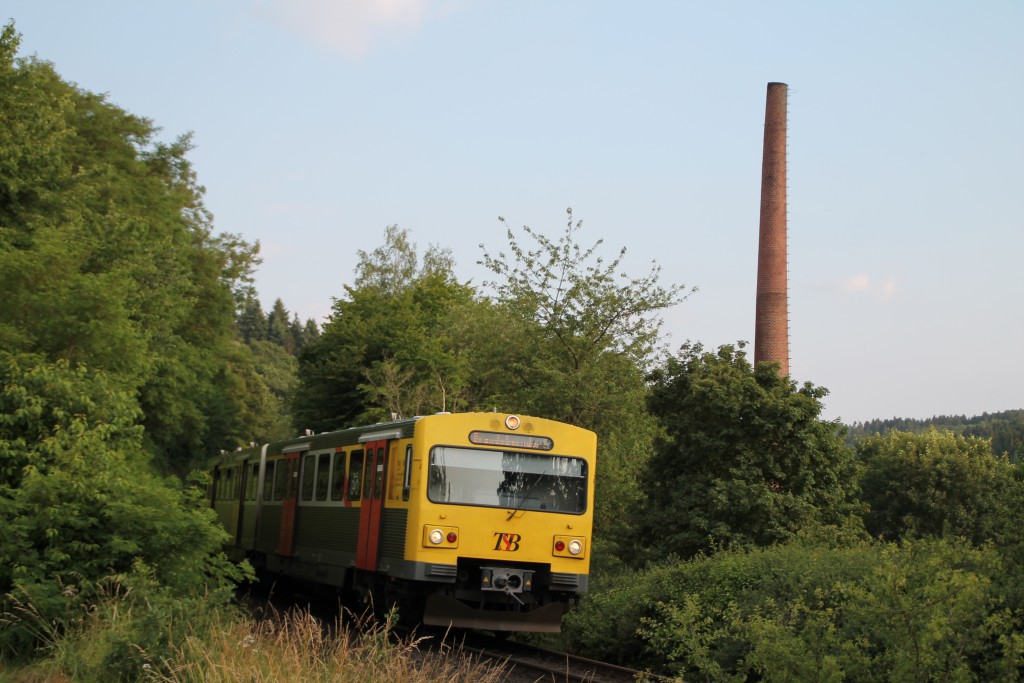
column 286, row 539
column 371, row 510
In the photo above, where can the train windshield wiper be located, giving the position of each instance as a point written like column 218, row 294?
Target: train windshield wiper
column 526, row 495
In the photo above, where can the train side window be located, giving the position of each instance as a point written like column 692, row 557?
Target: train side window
column 228, row 489
column 323, row 475
column 268, row 481
column 355, row 475
column 407, row 475
column 281, row 480
column 237, row 495
column 368, row 476
column 293, row 478
column 338, row 477
column 308, row 474
column 254, row 477
column 378, row 478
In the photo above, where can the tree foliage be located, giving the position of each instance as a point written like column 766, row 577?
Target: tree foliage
column 746, row 457
column 78, row 506
column 390, row 346
column 587, row 313
column 807, row 610
column 1005, row 429
column 585, row 333
column 937, row 484
column 108, row 256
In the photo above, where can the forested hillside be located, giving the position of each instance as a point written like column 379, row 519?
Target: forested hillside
column 1005, row 429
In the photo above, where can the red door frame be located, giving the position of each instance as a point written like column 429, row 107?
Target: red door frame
column 285, row 540
column 371, row 508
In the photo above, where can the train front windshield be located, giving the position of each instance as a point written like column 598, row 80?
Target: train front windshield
column 507, row 479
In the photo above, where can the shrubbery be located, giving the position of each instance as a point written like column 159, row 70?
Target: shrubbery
column 934, row 595
column 84, row 518
column 921, row 610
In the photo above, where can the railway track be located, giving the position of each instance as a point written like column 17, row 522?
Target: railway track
column 520, row 663
column 528, row 664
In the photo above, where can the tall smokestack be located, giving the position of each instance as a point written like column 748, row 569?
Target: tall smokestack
column 771, row 327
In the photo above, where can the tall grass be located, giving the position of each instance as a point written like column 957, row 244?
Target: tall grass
column 296, row 646
column 225, row 645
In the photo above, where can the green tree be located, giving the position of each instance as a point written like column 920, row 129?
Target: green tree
column 589, row 315
column 746, row 457
column 277, row 326
column 278, row 374
column 310, row 331
column 78, row 506
column 935, row 484
column 252, row 321
column 388, row 348
column 582, row 334
column 108, row 256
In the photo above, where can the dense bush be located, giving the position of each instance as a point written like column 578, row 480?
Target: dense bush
column 937, row 483
column 925, row 610
column 83, row 516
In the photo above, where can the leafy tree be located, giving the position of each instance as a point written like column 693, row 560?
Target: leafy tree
column 78, row 505
column 936, row 484
column 277, row 372
column 565, row 336
column 388, row 348
column 746, row 458
column 583, row 334
column 108, row 256
column 589, row 315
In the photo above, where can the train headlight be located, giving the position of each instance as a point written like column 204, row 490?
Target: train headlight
column 441, row 537
column 569, row 546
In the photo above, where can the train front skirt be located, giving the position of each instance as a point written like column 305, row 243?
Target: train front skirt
column 445, row 611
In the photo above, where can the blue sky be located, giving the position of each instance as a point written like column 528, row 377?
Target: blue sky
column 318, row 123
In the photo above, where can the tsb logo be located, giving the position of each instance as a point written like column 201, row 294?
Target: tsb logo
column 506, row 542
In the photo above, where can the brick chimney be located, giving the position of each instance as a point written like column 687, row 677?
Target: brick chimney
column 771, row 326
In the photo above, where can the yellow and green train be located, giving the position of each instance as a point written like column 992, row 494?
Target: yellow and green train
column 476, row 520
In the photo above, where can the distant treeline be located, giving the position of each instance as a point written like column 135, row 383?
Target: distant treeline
column 1005, row 429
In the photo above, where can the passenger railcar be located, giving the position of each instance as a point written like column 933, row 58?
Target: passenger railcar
column 475, row 520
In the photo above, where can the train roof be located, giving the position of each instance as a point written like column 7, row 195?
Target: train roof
column 397, row 429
